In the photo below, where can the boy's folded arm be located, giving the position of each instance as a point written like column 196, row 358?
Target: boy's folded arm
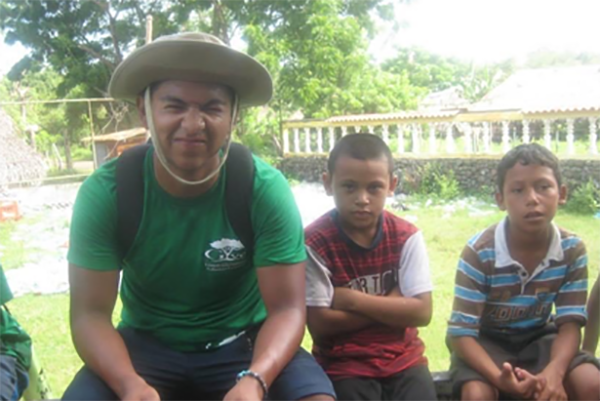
column 592, row 327
column 393, row 311
column 324, row 322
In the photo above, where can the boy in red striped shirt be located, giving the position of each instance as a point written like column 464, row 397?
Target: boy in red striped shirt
column 367, row 281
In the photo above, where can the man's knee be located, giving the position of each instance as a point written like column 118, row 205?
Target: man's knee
column 477, row 390
column 319, row 397
column 86, row 385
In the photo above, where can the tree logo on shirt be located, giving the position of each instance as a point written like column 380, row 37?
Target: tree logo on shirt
column 225, row 254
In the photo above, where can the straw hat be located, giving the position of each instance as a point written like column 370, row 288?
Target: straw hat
column 192, row 56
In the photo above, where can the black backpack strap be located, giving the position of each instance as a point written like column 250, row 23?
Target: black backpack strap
column 130, row 195
column 239, row 185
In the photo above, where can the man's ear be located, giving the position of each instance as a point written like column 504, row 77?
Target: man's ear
column 500, row 201
column 141, row 107
column 562, row 194
column 393, row 184
column 327, row 184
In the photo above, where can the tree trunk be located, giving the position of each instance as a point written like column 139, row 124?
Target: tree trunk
column 67, row 140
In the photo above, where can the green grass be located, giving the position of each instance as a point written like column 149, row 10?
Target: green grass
column 12, row 252
column 45, row 317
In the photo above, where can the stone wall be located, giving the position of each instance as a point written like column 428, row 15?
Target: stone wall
column 474, row 174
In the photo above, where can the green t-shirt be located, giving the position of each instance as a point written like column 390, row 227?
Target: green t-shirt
column 186, row 278
column 14, row 341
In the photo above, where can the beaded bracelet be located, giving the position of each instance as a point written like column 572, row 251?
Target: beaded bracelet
column 263, row 383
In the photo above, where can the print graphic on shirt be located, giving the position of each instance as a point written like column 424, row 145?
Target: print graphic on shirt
column 225, row 254
column 374, row 284
column 503, row 313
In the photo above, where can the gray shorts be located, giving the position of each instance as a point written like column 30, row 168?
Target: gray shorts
column 529, row 351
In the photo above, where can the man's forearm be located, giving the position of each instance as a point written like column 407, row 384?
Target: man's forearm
column 277, row 341
column 325, row 323
column 395, row 312
column 564, row 347
column 102, row 349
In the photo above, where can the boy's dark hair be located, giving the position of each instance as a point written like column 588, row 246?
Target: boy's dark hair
column 360, row 146
column 526, row 154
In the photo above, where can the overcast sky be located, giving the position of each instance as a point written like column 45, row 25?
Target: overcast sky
column 474, row 30
column 493, row 30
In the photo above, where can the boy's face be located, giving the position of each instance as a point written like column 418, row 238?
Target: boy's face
column 531, row 196
column 359, row 189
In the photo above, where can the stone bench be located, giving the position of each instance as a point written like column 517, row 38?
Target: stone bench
column 443, row 385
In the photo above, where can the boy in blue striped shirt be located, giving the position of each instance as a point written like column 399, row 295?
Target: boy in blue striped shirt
column 503, row 340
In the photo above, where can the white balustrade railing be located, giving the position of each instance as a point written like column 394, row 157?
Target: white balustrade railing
column 440, row 136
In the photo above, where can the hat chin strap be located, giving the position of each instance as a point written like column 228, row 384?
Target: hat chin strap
column 159, row 151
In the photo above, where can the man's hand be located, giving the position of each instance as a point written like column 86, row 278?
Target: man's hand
column 138, row 390
column 554, row 389
column 343, row 298
column 247, row 389
column 520, row 383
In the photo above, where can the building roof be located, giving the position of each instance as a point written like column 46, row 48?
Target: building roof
column 546, row 90
column 19, row 162
column 118, row 136
column 446, row 99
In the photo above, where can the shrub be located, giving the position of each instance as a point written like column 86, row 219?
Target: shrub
column 438, row 183
column 585, row 199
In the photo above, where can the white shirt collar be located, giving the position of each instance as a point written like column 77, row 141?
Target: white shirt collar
column 503, row 258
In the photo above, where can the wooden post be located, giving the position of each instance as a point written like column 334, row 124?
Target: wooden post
column 331, row 138
column 432, row 142
column 94, row 156
column 385, row 133
column 319, row 139
column 547, row 134
column 400, row 138
column 148, row 29
column 505, row 136
column 593, row 136
column 486, row 137
column 415, row 139
column 468, row 138
column 296, row 140
column 307, row 140
column 450, row 145
column 526, row 138
column 286, row 141
column 344, row 130
column 570, row 135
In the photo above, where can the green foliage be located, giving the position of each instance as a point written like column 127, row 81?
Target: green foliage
column 585, row 199
column 84, row 41
column 54, row 172
column 430, row 72
column 547, row 58
column 82, row 153
column 438, row 183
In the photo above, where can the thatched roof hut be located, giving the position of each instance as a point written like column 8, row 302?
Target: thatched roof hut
column 19, row 162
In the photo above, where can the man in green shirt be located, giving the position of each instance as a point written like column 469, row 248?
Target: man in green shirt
column 202, row 318
column 15, row 349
